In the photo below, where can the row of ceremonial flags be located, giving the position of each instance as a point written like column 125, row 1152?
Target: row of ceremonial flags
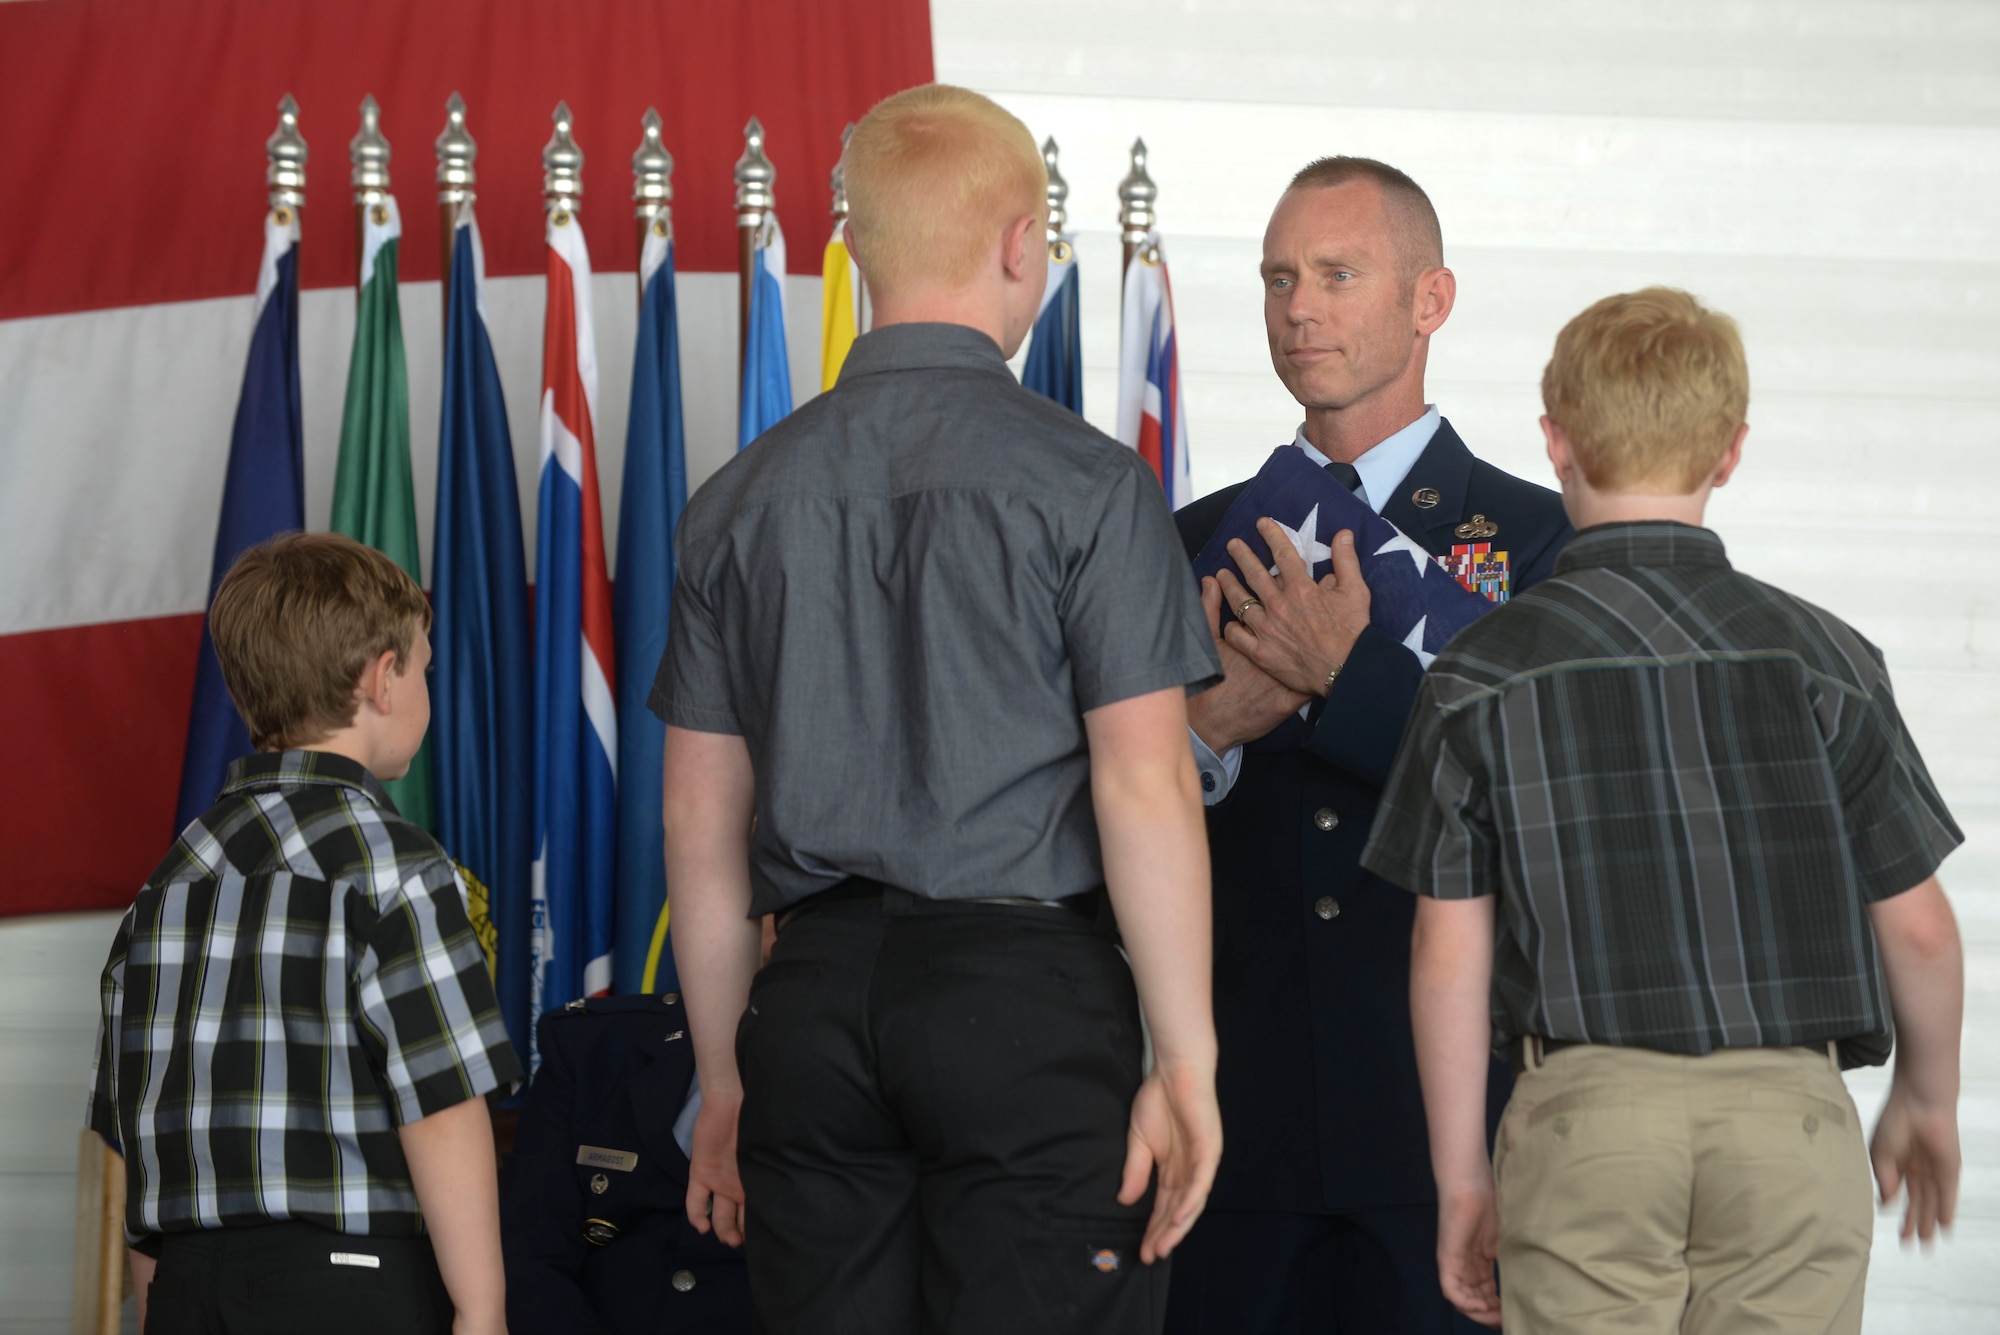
column 541, row 774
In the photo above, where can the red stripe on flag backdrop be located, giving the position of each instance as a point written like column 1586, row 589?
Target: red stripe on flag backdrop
column 139, row 163
column 87, row 801
column 140, row 127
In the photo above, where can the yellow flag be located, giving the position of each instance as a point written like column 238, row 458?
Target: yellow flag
column 838, row 325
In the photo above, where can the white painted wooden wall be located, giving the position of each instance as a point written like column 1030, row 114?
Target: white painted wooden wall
column 1827, row 171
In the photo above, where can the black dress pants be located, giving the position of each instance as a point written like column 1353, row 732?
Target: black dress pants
column 935, row 1102
column 295, row 1279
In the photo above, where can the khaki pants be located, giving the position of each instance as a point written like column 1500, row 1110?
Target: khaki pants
column 1645, row 1192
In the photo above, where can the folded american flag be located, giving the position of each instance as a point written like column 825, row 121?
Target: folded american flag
column 1412, row 597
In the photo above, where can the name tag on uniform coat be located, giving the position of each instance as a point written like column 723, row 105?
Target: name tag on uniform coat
column 622, row 1160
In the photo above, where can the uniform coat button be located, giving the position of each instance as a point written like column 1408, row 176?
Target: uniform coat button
column 683, row 1280
column 1328, row 907
column 1325, row 818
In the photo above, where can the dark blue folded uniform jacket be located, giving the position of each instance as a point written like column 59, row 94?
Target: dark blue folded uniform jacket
column 593, row 1197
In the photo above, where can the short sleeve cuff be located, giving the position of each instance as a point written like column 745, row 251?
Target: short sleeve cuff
column 679, row 714
column 1193, row 673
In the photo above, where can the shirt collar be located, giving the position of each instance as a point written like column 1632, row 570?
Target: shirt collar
column 1384, row 465
column 919, row 347
column 291, row 769
column 1647, row 542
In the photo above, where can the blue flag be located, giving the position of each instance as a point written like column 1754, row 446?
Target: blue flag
column 655, row 490
column 482, row 725
column 1054, row 367
column 767, row 372
column 1412, row 597
column 263, row 494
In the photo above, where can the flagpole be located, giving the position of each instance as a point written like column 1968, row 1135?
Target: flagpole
column 755, row 198
column 455, row 179
column 285, row 163
column 652, row 190
column 1058, row 201
column 368, row 151
column 837, row 180
column 1136, row 196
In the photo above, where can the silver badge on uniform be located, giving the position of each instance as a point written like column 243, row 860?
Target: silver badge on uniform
column 599, row 1183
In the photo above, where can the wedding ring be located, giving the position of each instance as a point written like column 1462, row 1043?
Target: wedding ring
column 1246, row 605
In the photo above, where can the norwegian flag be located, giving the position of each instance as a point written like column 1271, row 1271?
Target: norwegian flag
column 1151, row 416
column 576, row 716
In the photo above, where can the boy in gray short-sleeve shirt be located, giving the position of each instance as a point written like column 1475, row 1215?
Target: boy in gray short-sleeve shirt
column 934, row 634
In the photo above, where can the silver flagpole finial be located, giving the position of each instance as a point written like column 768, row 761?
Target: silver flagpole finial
column 653, row 175
column 285, row 159
column 1058, row 191
column 756, row 178
column 455, row 152
column 369, row 152
column 562, row 164
column 1136, row 197
column 839, row 179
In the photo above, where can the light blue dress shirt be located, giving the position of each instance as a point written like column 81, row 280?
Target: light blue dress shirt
column 1382, row 468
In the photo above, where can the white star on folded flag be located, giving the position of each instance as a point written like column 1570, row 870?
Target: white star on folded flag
column 1403, row 542
column 1414, row 642
column 1305, row 541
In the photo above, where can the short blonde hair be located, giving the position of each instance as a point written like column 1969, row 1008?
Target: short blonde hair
column 295, row 622
column 933, row 175
column 1650, row 387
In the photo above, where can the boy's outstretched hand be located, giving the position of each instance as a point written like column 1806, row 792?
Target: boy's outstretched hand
column 1177, row 1126
column 1916, row 1140
column 715, row 1191
column 1916, row 1146
column 1468, row 1244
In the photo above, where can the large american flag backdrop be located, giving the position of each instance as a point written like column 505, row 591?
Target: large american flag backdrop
column 128, row 258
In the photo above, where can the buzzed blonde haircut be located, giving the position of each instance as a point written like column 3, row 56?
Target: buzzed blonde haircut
column 1650, row 387
column 934, row 174
column 297, row 619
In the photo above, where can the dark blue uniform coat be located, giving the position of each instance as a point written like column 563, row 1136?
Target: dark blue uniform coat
column 1318, row 1077
column 615, row 1072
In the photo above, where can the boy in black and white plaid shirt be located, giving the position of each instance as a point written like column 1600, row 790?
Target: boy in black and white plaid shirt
column 298, row 1025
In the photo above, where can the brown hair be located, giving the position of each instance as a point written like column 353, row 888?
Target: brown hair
column 1650, row 387
column 1419, row 239
column 296, row 621
column 934, row 174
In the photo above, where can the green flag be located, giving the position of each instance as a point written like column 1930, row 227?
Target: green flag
column 373, row 500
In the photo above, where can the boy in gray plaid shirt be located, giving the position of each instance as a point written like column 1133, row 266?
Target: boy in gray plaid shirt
column 298, row 1025
column 1672, row 815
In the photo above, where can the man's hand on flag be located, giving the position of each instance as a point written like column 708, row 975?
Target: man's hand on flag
column 1248, row 702
column 1293, row 629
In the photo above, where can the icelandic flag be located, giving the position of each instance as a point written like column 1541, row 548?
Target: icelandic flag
column 767, row 374
column 1054, row 367
column 1412, row 597
column 654, row 493
column 482, row 717
column 263, row 494
column 576, row 716
column 1151, row 416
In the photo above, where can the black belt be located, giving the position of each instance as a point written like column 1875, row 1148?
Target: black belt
column 1094, row 905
